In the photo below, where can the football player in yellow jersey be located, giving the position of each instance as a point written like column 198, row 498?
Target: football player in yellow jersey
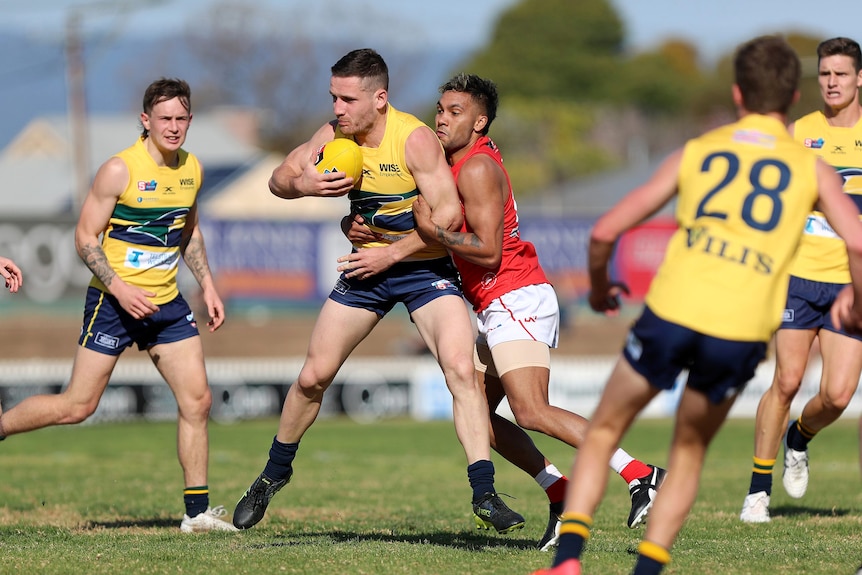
column 817, row 275
column 143, row 203
column 402, row 158
column 743, row 194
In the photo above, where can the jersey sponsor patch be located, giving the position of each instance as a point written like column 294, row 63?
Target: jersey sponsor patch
column 137, row 258
column 817, row 225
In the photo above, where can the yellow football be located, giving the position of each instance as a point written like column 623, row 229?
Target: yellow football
column 340, row 155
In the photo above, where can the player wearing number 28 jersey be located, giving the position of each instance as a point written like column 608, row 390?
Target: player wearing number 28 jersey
column 744, row 191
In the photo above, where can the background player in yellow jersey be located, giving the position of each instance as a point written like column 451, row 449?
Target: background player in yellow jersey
column 817, row 275
column 11, row 274
column 743, row 194
column 143, row 203
column 402, row 158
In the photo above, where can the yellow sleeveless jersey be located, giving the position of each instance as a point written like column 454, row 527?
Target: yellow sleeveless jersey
column 822, row 254
column 387, row 189
column 142, row 240
column 744, row 191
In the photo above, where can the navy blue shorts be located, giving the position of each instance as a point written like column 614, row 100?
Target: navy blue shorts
column 412, row 283
column 719, row 368
column 109, row 329
column 808, row 305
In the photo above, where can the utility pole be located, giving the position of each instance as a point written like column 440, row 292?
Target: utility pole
column 76, row 85
column 77, row 106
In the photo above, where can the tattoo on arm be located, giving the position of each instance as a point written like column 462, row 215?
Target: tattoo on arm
column 195, row 256
column 448, row 238
column 95, row 259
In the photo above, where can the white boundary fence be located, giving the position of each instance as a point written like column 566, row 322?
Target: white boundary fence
column 366, row 389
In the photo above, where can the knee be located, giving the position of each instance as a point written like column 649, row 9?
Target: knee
column 838, row 399
column 79, row 412
column 528, row 420
column 460, row 374
column 198, row 406
column 311, row 384
column 786, row 385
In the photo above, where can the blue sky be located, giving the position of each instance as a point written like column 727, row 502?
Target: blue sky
column 436, row 26
column 715, row 26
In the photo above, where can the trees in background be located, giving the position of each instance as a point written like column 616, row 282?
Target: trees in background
column 574, row 100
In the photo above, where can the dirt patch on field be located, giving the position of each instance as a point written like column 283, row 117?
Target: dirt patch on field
column 55, row 336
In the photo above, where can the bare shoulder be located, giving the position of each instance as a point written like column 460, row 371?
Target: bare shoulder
column 112, row 177
column 423, row 151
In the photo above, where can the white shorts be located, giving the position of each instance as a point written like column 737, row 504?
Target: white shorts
column 513, row 324
column 530, row 313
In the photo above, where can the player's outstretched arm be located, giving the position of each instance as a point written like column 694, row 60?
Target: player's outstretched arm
column 427, row 163
column 483, row 188
column 637, row 206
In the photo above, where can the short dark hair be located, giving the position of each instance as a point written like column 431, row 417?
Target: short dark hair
column 767, row 71
column 363, row 63
column 482, row 90
column 166, row 89
column 841, row 47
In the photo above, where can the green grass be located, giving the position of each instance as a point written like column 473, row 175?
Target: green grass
column 388, row 498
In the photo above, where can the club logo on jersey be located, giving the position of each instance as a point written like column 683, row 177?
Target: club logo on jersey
column 814, row 144
column 160, row 228
column 489, row 280
column 852, row 180
column 147, row 186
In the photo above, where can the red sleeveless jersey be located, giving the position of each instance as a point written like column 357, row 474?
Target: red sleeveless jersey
column 519, row 266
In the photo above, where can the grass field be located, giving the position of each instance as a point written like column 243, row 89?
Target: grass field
column 387, row 498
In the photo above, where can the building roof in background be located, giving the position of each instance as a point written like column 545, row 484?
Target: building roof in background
column 37, row 167
column 247, row 197
column 595, row 195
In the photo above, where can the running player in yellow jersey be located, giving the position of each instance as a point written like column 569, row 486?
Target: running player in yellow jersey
column 817, row 275
column 743, row 194
column 402, row 158
column 143, row 204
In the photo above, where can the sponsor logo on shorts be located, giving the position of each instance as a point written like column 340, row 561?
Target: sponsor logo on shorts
column 443, row 285
column 634, row 346
column 106, row 340
column 341, row 287
column 789, row 316
column 489, row 280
